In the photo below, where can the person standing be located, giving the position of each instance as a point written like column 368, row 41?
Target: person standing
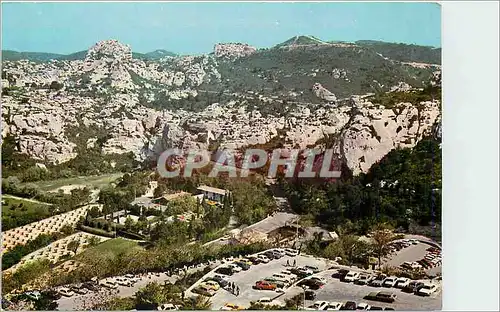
column 237, row 290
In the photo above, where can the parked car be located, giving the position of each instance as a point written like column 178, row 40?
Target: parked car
column 277, row 282
column 271, row 255
column 349, row 305
column 378, row 281
column 204, row 291
column 412, row 286
column 243, row 265
column 314, row 269
column 232, row 307
column 279, row 252
column 320, row 305
column 426, row 289
column 363, row 306
column 225, row 271
column 109, row 284
column 123, row 281
column 167, row 307
column 282, row 277
column 220, row 280
column 375, row 308
column 66, row 292
column 254, row 260
column 340, row 274
column 388, row 309
column 211, row 284
column 311, row 284
column 334, row 306
column 91, row 286
column 263, row 258
column 265, row 285
column 247, row 261
column 363, row 279
column 79, row 290
column 318, row 278
column 390, row 281
column 381, row 296
column 236, row 268
column 301, row 272
column 310, row 295
column 351, row 276
column 291, row 252
column 132, row 278
column 288, row 273
column 402, row 282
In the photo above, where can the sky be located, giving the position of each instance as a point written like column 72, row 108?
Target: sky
column 194, row 28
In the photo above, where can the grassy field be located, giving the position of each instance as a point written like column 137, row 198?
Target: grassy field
column 108, row 249
column 91, row 181
column 18, row 212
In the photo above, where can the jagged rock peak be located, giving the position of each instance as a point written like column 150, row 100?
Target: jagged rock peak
column 233, row 50
column 109, row 49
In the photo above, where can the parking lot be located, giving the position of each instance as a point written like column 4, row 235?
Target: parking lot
column 335, row 290
column 245, row 280
column 411, row 254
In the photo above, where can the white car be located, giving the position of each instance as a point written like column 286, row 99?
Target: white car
column 402, row 282
column 291, row 252
column 66, row 292
column 390, row 281
column 268, row 301
column 427, row 290
column 109, row 284
column 363, row 306
column 263, row 258
column 282, row 277
column 351, row 276
column 132, row 278
column 320, row 305
column 236, row 268
column 124, row 281
column 290, row 275
column 334, row 306
column 167, row 307
column 305, row 271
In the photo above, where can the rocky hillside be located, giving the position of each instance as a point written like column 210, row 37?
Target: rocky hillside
column 111, row 102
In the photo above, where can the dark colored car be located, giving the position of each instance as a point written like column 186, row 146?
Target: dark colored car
column 389, row 309
column 91, row 286
column 310, row 295
column 243, row 265
column 271, row 255
column 225, row 271
column 381, row 296
column 220, row 280
column 254, row 260
column 300, row 274
column 349, row 305
column 340, row 273
column 376, row 308
column 311, row 284
column 378, row 281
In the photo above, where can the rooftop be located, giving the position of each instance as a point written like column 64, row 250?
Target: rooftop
column 210, row 189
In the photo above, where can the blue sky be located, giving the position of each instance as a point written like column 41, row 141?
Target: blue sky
column 192, row 28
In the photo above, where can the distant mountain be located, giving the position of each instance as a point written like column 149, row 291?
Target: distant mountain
column 9, row 55
column 158, row 54
column 301, row 40
column 404, row 52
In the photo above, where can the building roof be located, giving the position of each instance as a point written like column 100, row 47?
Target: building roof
column 210, row 189
column 175, row 195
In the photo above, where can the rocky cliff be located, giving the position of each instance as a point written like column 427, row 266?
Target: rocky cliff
column 122, row 104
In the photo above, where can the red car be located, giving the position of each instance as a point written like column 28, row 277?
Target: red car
column 263, row 285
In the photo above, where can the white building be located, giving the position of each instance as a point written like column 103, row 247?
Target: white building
column 212, row 193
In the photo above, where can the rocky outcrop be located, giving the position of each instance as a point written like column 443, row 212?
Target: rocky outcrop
column 323, row 93
column 233, row 50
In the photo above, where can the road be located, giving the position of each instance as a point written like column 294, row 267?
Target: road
column 25, row 199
